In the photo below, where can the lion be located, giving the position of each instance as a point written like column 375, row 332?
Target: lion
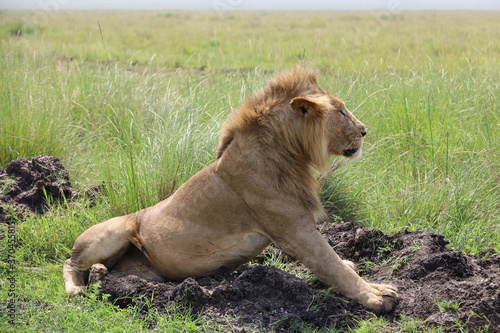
column 261, row 189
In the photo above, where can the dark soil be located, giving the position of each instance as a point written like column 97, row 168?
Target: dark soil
column 426, row 272
column 27, row 188
column 26, row 185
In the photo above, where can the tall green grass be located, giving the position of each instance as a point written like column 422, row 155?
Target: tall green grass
column 438, row 168
column 140, row 109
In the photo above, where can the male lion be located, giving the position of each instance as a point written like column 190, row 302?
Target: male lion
column 261, row 189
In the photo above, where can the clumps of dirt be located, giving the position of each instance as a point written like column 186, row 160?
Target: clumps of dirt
column 25, row 186
column 436, row 285
column 258, row 297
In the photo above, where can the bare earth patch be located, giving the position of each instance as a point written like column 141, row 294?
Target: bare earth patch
column 25, row 186
column 436, row 284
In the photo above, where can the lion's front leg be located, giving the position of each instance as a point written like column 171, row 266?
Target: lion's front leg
column 315, row 253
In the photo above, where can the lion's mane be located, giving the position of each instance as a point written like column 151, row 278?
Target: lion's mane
column 290, row 148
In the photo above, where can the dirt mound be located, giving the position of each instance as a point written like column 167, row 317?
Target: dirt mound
column 435, row 284
column 259, row 297
column 26, row 185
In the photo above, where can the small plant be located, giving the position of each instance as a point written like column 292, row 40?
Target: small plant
column 368, row 265
column 336, row 219
column 372, row 325
column 411, row 325
column 445, row 305
column 415, row 247
column 6, row 185
column 93, row 291
column 320, row 296
column 399, row 263
column 280, row 261
column 386, row 246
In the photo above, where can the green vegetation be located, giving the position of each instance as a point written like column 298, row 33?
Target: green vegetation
column 136, row 100
column 445, row 305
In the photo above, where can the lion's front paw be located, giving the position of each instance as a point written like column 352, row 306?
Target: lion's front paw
column 381, row 297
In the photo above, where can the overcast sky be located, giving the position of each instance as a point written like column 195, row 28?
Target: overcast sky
column 253, row 4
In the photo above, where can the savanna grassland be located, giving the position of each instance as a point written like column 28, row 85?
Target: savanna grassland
column 136, row 100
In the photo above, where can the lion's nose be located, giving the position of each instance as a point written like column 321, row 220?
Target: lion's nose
column 363, row 132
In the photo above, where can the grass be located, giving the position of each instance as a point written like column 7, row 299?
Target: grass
column 445, row 305
column 136, row 100
column 43, row 306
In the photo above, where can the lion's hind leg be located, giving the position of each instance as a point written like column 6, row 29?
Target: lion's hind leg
column 104, row 243
column 74, row 281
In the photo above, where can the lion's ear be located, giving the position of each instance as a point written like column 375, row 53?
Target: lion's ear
column 303, row 106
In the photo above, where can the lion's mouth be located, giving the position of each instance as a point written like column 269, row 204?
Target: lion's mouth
column 350, row 152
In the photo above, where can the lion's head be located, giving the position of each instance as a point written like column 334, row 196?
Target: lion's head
column 344, row 133
column 298, row 118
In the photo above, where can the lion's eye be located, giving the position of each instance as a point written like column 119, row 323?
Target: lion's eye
column 342, row 113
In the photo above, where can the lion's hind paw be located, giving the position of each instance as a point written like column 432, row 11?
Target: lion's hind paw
column 75, row 290
column 97, row 272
